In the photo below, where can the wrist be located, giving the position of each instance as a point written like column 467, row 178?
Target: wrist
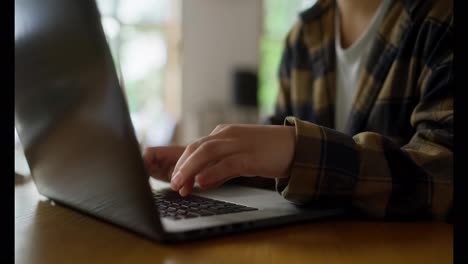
column 290, row 146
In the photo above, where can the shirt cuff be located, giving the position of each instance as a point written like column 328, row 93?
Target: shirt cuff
column 324, row 167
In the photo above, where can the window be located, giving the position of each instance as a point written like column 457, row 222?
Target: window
column 144, row 39
column 279, row 17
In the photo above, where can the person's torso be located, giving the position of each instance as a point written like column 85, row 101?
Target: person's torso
column 349, row 63
column 389, row 86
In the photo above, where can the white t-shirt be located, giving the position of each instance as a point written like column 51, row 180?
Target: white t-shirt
column 349, row 63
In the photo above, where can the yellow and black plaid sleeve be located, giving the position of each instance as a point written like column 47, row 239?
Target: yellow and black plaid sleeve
column 397, row 164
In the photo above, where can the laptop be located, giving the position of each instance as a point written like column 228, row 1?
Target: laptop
column 73, row 121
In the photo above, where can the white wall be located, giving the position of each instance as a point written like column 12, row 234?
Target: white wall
column 217, row 36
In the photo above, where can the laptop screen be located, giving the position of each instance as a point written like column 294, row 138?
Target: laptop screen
column 72, row 117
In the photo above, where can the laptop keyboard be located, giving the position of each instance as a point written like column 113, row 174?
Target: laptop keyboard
column 173, row 206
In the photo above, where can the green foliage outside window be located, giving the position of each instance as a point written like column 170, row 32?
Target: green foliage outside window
column 279, row 17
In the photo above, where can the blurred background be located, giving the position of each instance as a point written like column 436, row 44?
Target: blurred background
column 187, row 66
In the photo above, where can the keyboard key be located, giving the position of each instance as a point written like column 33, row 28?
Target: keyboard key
column 174, row 207
column 206, row 213
column 191, row 215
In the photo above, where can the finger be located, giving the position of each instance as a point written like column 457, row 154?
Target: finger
column 188, row 151
column 226, row 169
column 218, row 129
column 192, row 147
column 160, row 161
column 215, row 184
column 208, row 152
column 187, row 188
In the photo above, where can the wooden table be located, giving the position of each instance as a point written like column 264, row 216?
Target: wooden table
column 45, row 233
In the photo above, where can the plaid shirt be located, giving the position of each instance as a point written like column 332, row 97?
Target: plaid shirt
column 395, row 160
